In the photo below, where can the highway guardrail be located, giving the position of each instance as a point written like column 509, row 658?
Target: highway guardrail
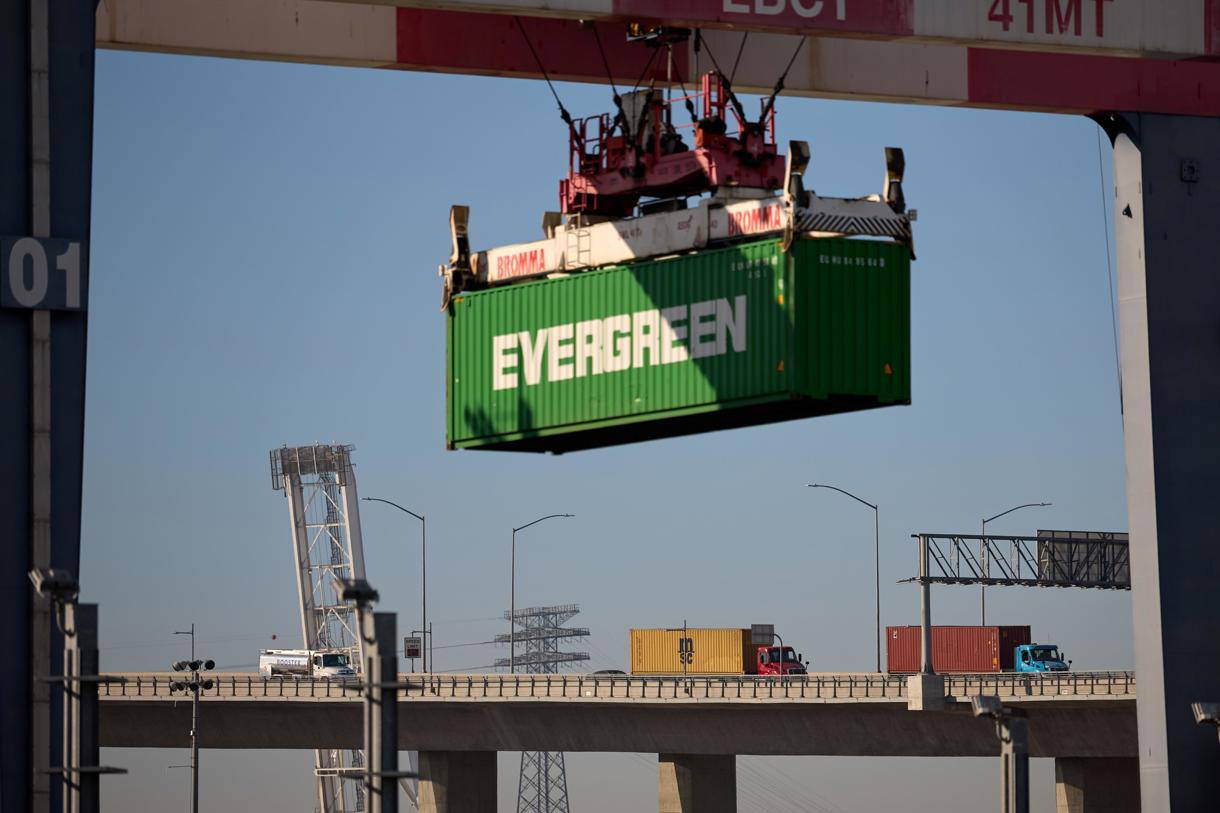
column 823, row 686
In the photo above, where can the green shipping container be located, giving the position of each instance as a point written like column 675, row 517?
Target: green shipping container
column 717, row 339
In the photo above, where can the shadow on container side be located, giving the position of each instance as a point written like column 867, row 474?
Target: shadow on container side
column 733, row 337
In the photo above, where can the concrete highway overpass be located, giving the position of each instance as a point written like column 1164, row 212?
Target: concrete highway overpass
column 1085, row 721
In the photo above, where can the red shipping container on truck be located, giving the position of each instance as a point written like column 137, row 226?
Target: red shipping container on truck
column 956, row 649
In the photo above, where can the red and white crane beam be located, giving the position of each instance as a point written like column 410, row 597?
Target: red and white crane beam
column 858, row 63
column 1145, row 28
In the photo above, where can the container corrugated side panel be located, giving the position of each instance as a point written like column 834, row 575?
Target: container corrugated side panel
column 714, row 651
column 965, row 649
column 955, row 649
column 853, row 319
column 477, row 412
column 902, row 649
column 1010, row 639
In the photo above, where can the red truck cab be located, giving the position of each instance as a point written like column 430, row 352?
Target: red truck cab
column 768, row 660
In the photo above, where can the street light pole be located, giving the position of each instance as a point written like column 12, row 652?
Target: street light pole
column 1012, row 729
column 423, row 534
column 876, row 557
column 983, row 554
column 194, row 743
column 780, row 673
column 195, row 684
column 194, row 728
column 512, row 592
column 512, row 608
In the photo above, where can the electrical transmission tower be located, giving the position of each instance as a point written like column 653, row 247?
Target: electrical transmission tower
column 322, row 503
column 543, row 787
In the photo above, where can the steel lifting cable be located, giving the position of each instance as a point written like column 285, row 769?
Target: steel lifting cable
column 728, row 85
column 563, row 111
column 620, row 118
column 740, row 50
column 647, row 67
column 605, row 62
column 779, row 85
column 690, row 105
column 635, row 137
column 697, row 48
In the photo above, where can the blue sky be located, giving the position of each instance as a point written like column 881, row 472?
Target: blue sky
column 265, row 244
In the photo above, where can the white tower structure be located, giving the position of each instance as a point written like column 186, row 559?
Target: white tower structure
column 324, row 510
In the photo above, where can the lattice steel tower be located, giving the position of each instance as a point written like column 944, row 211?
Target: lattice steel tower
column 543, row 786
column 322, row 503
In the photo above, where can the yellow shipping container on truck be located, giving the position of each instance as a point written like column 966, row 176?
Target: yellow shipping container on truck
column 706, row 651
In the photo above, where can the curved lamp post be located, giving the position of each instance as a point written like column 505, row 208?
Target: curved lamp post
column 423, row 531
column 512, row 607
column 876, row 555
column 983, row 587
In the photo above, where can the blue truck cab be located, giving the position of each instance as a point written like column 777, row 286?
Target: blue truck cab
column 1040, row 658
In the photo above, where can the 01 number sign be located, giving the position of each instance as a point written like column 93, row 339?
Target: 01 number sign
column 43, row 273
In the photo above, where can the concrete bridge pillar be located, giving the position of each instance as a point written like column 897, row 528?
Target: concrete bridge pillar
column 1109, row 785
column 457, row 782
column 697, row 783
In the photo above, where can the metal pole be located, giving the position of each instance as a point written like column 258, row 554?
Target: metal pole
column 80, row 770
column 194, row 739
column 70, row 762
column 983, row 587
column 876, row 554
column 423, row 524
column 983, row 550
column 85, row 724
column 423, row 573
column 512, row 609
column 194, row 731
column 512, row 601
column 194, row 723
column 779, row 737
column 925, row 608
column 40, row 484
column 877, row 563
column 1014, row 756
column 689, row 654
column 381, row 711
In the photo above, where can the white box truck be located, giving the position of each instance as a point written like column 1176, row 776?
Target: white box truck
column 304, row 663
